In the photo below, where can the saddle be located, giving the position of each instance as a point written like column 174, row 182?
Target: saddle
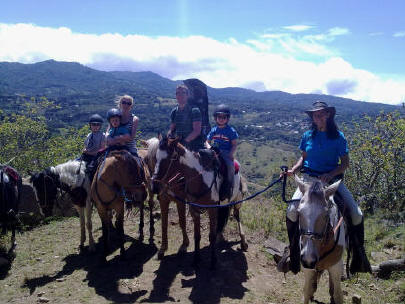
column 11, row 172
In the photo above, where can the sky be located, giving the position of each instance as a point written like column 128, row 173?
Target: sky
column 353, row 49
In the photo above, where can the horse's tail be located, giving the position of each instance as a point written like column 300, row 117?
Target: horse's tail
column 223, row 215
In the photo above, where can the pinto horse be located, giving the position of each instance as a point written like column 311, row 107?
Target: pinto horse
column 118, row 176
column 322, row 238
column 10, row 192
column 71, row 178
column 180, row 176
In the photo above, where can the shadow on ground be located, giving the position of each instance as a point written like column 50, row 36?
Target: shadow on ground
column 104, row 278
column 207, row 286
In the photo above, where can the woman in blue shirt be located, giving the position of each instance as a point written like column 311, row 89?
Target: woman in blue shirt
column 325, row 155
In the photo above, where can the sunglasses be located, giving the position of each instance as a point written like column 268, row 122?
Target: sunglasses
column 181, row 93
column 126, row 103
column 96, row 124
column 222, row 116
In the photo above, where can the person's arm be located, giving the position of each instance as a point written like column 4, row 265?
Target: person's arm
column 196, row 131
column 340, row 169
column 294, row 170
column 234, row 143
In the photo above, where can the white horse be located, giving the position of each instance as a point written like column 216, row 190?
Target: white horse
column 71, row 178
column 322, row 238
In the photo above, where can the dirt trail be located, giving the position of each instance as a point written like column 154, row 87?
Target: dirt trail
column 49, row 267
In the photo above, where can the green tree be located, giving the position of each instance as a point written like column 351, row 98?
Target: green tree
column 28, row 145
column 377, row 172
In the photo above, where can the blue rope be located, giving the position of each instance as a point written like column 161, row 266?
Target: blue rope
column 230, row 203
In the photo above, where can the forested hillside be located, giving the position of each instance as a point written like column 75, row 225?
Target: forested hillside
column 79, row 91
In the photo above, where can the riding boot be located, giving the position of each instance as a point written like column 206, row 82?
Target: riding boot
column 360, row 261
column 293, row 251
column 224, row 190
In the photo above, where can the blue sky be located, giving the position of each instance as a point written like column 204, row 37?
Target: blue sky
column 346, row 48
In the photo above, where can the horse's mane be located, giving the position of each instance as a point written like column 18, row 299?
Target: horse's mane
column 315, row 191
column 69, row 174
column 153, row 145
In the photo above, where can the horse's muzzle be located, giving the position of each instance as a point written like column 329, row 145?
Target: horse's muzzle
column 309, row 260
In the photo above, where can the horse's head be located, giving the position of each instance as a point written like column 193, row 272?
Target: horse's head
column 314, row 219
column 46, row 184
column 167, row 159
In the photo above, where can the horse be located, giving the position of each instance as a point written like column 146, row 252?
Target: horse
column 10, row 193
column 322, row 237
column 180, row 176
column 119, row 176
column 70, row 177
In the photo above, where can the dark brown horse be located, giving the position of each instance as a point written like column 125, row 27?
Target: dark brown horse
column 179, row 176
column 119, row 177
column 10, row 192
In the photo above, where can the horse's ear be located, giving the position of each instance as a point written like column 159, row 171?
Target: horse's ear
column 160, row 136
column 330, row 190
column 300, row 183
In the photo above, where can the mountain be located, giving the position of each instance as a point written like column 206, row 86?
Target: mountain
column 81, row 91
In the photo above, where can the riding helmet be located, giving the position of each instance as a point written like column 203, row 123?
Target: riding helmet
column 95, row 118
column 222, row 109
column 113, row 112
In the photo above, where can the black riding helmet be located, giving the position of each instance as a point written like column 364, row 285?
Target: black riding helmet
column 95, row 118
column 222, row 109
column 113, row 112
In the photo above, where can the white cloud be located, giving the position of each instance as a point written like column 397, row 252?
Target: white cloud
column 257, row 63
column 298, row 27
column 399, row 34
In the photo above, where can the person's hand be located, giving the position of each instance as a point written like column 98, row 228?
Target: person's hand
column 326, row 178
column 288, row 173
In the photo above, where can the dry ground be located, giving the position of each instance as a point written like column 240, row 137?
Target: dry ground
column 48, row 267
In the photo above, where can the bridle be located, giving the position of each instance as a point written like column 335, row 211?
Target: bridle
column 324, row 236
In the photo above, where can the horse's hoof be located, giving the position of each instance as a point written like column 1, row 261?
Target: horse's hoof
column 161, row 255
column 182, row 249
column 244, row 246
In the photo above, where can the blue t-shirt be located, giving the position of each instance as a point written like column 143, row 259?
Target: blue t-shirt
column 323, row 153
column 222, row 137
column 121, row 130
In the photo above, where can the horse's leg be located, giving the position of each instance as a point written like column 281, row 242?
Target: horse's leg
column 310, row 284
column 181, row 210
column 197, row 235
column 236, row 215
column 335, row 290
column 151, row 204
column 119, row 226
column 213, row 215
column 80, row 210
column 141, row 220
column 105, row 223
column 89, row 224
column 13, row 243
column 164, row 209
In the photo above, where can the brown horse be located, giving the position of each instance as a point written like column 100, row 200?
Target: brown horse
column 164, row 200
column 179, row 176
column 118, row 177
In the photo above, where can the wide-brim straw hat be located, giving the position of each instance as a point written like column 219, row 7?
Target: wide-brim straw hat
column 320, row 105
